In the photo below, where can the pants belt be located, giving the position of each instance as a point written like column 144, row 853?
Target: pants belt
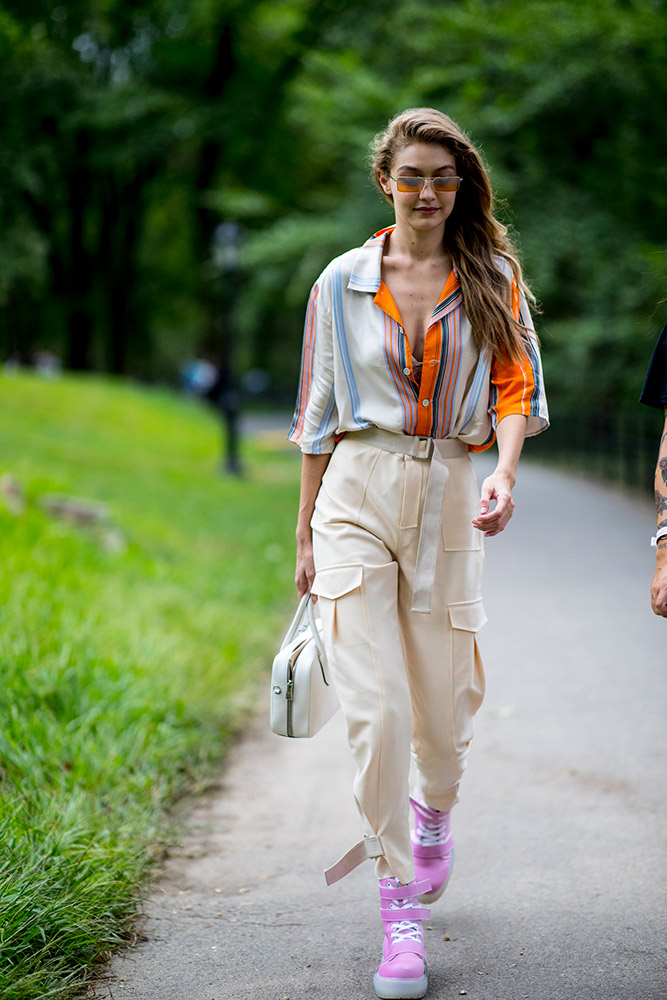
column 435, row 451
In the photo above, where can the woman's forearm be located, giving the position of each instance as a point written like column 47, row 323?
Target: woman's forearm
column 312, row 470
column 510, row 435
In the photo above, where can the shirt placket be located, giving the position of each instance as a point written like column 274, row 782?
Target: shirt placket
column 430, row 367
column 430, row 362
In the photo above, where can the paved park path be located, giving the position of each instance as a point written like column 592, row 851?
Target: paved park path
column 560, row 879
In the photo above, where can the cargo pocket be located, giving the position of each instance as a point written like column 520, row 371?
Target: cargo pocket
column 461, row 505
column 344, row 617
column 466, row 619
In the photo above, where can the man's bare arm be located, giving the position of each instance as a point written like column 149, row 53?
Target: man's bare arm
column 659, row 585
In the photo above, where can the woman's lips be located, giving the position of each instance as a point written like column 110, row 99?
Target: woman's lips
column 427, row 211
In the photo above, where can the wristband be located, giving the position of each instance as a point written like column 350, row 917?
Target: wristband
column 660, row 533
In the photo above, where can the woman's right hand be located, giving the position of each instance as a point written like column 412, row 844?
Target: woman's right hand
column 305, row 566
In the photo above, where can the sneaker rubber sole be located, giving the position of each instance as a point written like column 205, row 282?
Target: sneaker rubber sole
column 400, row 989
column 431, row 897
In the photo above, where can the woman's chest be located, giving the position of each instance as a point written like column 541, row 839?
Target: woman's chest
column 416, row 297
column 370, row 335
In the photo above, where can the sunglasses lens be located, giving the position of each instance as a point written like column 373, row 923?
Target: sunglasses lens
column 409, row 183
column 446, row 183
column 439, row 183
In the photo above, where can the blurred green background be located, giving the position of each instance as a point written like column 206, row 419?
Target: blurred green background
column 131, row 129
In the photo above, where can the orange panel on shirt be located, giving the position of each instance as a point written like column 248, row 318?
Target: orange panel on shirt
column 385, row 300
column 432, row 351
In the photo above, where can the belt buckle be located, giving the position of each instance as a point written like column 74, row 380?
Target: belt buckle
column 429, row 451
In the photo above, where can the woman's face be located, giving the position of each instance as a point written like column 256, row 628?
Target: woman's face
column 427, row 209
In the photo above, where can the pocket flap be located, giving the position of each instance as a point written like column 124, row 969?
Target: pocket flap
column 335, row 581
column 468, row 615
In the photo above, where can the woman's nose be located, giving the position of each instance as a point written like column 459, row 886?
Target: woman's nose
column 427, row 191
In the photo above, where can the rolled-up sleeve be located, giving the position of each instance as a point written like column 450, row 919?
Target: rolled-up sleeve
column 518, row 387
column 315, row 418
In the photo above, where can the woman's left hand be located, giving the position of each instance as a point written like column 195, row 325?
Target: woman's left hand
column 510, row 433
column 498, row 487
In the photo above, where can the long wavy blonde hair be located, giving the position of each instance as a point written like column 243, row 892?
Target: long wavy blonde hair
column 475, row 239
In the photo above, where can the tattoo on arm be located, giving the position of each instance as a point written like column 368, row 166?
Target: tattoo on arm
column 662, row 542
column 661, row 474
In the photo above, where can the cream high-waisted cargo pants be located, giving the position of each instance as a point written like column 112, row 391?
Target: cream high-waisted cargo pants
column 407, row 682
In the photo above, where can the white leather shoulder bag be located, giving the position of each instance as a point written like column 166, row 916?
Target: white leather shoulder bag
column 303, row 698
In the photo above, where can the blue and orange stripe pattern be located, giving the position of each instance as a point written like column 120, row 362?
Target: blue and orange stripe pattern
column 357, row 368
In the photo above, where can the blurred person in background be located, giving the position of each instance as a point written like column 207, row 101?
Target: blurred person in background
column 418, row 348
column 654, row 393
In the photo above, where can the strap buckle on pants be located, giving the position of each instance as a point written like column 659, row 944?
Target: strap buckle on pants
column 369, row 847
column 435, row 451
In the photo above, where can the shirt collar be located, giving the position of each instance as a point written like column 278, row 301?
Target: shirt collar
column 452, row 295
column 367, row 273
column 366, row 269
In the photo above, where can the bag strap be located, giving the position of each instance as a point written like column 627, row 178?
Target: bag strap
column 297, row 621
column 305, row 610
column 317, row 638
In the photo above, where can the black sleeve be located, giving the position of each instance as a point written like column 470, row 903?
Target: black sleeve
column 654, row 392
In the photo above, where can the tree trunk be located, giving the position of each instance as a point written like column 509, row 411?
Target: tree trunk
column 121, row 208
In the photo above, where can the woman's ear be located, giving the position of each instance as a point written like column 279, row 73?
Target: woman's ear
column 384, row 183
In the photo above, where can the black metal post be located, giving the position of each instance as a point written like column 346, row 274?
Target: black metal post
column 225, row 393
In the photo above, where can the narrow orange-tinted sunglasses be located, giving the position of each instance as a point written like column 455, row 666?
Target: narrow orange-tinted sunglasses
column 439, row 184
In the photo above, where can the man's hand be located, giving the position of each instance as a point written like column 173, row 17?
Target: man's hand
column 659, row 585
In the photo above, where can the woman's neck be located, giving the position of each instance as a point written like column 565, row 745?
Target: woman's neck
column 416, row 246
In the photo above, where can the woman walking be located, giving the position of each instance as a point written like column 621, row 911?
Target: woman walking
column 418, row 349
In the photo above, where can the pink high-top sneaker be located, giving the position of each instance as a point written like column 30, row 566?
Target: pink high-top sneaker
column 402, row 972
column 432, row 848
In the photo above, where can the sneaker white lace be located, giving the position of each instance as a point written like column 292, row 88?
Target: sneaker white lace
column 433, row 832
column 405, row 930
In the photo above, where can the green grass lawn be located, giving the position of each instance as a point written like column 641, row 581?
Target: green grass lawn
column 125, row 668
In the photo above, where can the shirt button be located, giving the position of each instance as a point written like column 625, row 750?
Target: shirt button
column 406, row 371
column 426, row 402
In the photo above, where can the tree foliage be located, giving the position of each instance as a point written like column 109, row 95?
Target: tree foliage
column 131, row 128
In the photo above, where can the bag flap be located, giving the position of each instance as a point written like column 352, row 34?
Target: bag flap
column 335, row 581
column 468, row 615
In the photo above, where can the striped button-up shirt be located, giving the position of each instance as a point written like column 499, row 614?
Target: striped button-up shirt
column 357, row 368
